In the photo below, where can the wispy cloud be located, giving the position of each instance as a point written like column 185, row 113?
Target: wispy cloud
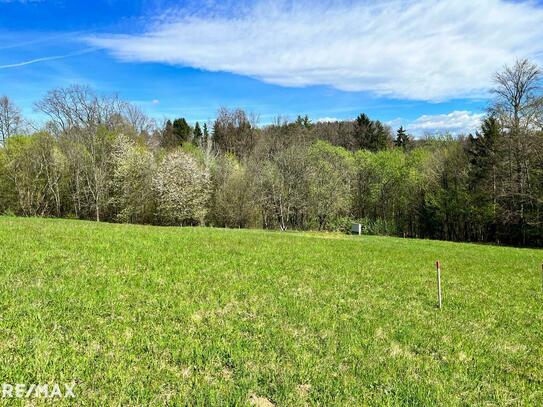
column 457, row 122
column 44, row 59
column 425, row 50
column 21, row 1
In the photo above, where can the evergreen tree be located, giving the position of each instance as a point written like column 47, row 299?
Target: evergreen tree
column 182, row 131
column 304, row 122
column 370, row 135
column 206, row 133
column 482, row 148
column 483, row 154
column 381, row 138
column 402, row 138
column 167, row 139
column 197, row 134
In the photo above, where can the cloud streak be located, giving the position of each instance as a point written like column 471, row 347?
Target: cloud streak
column 21, row 1
column 44, row 59
column 430, row 50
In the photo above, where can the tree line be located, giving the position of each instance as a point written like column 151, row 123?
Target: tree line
column 98, row 157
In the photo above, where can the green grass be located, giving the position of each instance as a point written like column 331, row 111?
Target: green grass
column 139, row 315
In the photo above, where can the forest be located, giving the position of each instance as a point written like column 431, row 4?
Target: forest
column 98, row 157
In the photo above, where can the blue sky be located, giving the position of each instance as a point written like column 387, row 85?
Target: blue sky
column 423, row 64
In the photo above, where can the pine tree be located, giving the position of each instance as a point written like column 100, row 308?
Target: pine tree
column 182, row 131
column 370, row 135
column 402, row 138
column 167, row 139
column 304, row 122
column 206, row 134
column 483, row 154
column 482, row 149
column 381, row 138
column 197, row 134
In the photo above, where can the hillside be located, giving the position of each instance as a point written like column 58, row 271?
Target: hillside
column 146, row 315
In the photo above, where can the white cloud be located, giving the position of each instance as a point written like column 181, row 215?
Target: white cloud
column 425, row 50
column 457, row 122
column 327, row 120
column 155, row 101
column 395, row 122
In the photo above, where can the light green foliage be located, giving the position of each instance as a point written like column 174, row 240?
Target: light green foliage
column 233, row 196
column 140, row 315
column 32, row 173
column 93, row 150
column 7, row 192
column 387, row 189
column 22, row 174
column 282, row 187
column 330, row 172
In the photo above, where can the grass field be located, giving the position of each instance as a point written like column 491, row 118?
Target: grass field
column 139, row 315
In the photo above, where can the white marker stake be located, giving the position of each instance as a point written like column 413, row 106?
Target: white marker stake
column 438, row 267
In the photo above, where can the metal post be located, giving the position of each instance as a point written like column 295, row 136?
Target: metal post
column 438, row 267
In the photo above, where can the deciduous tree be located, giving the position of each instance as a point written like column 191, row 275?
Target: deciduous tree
column 10, row 119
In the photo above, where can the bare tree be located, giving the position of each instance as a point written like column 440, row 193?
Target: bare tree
column 138, row 120
column 10, row 119
column 518, row 105
column 281, row 183
column 84, row 122
column 78, row 107
column 234, row 131
column 517, row 101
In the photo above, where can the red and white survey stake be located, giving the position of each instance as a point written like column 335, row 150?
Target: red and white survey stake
column 438, row 268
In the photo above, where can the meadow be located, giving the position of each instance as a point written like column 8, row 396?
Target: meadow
column 143, row 315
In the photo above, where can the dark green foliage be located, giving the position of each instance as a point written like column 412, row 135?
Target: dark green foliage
column 483, row 153
column 176, row 133
column 197, row 134
column 206, row 133
column 167, row 138
column 371, row 135
column 182, row 131
column 403, row 140
column 304, row 122
column 447, row 199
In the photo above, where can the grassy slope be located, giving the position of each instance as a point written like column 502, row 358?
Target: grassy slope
column 141, row 315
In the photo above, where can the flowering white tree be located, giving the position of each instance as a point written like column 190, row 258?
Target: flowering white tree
column 134, row 166
column 182, row 188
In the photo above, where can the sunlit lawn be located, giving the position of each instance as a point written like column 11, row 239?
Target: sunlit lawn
column 140, row 315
